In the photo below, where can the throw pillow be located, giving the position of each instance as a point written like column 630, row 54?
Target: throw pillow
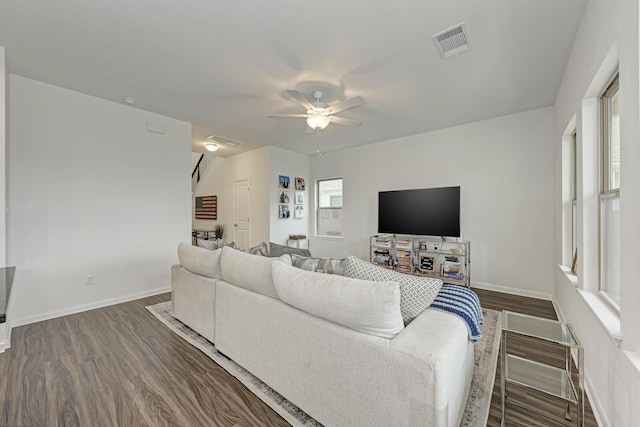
column 416, row 293
column 319, row 265
column 200, row 261
column 262, row 249
column 249, row 271
column 276, row 250
column 232, row 245
column 369, row 307
column 209, row 244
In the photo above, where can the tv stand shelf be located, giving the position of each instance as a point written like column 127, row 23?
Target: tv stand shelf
column 448, row 259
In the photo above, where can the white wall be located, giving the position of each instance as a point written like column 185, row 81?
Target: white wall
column 90, row 191
column 505, row 169
column 213, row 183
column 287, row 163
column 3, row 154
column 255, row 166
column 612, row 366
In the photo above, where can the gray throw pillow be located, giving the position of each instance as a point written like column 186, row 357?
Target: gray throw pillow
column 416, row 293
column 276, row 250
column 319, row 265
column 262, row 249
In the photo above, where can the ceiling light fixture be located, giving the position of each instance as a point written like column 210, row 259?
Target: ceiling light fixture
column 212, row 147
column 318, row 121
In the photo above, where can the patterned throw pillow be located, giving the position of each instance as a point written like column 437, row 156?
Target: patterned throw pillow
column 262, row 249
column 209, row 244
column 416, row 293
column 319, row 265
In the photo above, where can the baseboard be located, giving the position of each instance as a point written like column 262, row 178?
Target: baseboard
column 86, row 307
column 512, row 291
column 5, row 336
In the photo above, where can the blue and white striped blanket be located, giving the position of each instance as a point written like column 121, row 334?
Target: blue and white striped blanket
column 464, row 303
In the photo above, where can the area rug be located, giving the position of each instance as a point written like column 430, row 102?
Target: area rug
column 476, row 412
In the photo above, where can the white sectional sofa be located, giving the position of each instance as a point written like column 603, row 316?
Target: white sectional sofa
column 362, row 368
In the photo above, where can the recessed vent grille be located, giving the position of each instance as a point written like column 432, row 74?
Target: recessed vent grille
column 452, row 41
column 224, row 140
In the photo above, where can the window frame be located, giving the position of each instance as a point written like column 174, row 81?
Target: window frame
column 607, row 191
column 320, row 208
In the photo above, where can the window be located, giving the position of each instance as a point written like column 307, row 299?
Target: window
column 329, row 214
column 610, row 194
column 574, row 194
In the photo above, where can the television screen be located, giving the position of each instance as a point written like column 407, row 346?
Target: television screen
column 427, row 212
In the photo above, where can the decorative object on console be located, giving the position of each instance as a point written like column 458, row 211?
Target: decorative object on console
column 417, row 293
column 218, row 231
column 206, row 207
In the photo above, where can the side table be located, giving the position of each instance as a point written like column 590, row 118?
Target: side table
column 539, row 376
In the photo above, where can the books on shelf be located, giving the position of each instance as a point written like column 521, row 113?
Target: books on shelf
column 422, row 255
column 403, row 244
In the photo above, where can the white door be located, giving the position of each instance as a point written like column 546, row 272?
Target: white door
column 241, row 223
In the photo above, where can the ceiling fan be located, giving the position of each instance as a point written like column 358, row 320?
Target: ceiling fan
column 319, row 114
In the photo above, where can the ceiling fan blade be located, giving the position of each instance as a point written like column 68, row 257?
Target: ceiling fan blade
column 286, row 116
column 299, row 96
column 346, row 105
column 344, row 121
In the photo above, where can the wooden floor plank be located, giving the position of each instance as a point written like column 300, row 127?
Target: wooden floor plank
column 119, row 366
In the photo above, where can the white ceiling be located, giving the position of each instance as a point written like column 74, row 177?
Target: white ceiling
column 224, row 65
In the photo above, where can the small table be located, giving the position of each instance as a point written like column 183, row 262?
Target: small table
column 539, row 376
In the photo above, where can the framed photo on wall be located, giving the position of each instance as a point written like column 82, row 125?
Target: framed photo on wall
column 284, row 212
column 299, row 212
column 283, row 182
column 299, row 198
column 299, row 184
column 283, row 197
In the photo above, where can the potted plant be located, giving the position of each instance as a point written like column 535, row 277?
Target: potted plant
column 218, row 231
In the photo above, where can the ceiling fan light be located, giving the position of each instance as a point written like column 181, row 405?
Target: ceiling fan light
column 211, row 147
column 318, row 121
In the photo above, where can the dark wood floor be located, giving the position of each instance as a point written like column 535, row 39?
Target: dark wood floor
column 118, row 366
column 526, row 407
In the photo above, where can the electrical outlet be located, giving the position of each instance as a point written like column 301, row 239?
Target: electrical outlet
column 90, row 280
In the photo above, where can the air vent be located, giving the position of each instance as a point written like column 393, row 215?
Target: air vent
column 452, row 41
column 223, row 140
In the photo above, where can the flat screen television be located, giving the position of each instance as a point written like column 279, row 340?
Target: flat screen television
column 427, row 212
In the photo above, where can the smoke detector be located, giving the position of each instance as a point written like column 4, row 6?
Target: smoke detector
column 452, row 41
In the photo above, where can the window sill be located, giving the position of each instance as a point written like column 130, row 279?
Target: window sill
column 607, row 316
column 570, row 276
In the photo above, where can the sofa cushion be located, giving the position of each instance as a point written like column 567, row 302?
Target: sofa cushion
column 319, row 265
column 262, row 249
column 365, row 306
column 416, row 293
column 250, row 271
column 276, row 250
column 200, row 260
